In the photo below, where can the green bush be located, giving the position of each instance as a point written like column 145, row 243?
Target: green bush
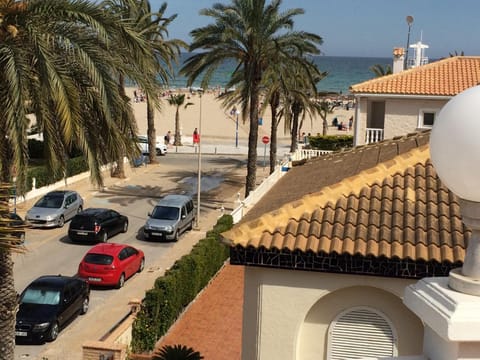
column 331, row 142
column 45, row 177
column 178, row 287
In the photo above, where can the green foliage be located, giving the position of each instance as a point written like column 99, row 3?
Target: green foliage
column 177, row 352
column 331, row 142
column 178, row 287
column 45, row 177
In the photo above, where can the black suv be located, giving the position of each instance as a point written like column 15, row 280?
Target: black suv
column 48, row 304
column 97, row 225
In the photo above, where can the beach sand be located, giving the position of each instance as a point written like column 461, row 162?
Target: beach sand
column 216, row 123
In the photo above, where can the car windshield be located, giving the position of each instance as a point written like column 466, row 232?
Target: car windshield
column 165, row 213
column 41, row 296
column 98, row 259
column 49, row 201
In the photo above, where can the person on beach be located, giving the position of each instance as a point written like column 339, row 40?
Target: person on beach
column 350, row 123
column 196, row 138
column 167, row 137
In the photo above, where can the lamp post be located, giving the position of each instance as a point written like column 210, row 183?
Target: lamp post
column 237, row 112
column 455, row 153
column 199, row 179
column 409, row 22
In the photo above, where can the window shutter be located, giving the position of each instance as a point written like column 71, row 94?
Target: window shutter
column 359, row 333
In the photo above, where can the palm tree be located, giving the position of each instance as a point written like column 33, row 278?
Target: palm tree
column 251, row 33
column 177, row 101
column 57, row 63
column 152, row 58
column 325, row 108
column 8, row 298
column 177, row 352
column 380, row 70
column 154, row 29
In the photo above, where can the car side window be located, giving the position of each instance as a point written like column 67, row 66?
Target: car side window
column 123, row 254
column 131, row 251
column 190, row 206
column 112, row 214
column 184, row 211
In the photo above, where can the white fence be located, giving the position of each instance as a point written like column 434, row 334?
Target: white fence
column 373, row 135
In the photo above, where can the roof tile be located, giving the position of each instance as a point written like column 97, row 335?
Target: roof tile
column 446, row 77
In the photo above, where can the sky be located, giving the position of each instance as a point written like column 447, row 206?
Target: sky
column 366, row 28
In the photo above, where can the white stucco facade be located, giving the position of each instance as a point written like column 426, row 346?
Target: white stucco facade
column 287, row 314
column 402, row 115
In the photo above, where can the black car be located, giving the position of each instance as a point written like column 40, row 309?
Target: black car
column 14, row 221
column 48, row 304
column 97, row 225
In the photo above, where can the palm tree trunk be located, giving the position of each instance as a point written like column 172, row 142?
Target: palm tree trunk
column 296, row 113
column 274, row 103
column 251, row 178
column 178, row 140
column 8, row 304
column 151, row 133
column 120, row 169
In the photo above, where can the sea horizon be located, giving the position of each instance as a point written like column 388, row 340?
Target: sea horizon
column 343, row 71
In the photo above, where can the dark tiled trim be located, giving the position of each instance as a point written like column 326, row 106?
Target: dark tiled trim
column 334, row 263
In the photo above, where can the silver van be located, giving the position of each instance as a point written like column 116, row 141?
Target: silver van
column 170, row 218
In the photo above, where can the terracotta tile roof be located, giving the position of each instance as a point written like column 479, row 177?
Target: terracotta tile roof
column 212, row 324
column 396, row 209
column 446, row 77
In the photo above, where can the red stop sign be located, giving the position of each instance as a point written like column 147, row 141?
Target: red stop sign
column 265, row 139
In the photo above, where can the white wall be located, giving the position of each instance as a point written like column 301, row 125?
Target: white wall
column 287, row 313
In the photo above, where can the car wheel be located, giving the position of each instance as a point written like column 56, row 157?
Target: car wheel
column 121, row 281
column 104, row 236
column 125, row 227
column 53, row 332
column 79, row 210
column 141, row 266
column 61, row 221
column 85, row 305
column 190, row 227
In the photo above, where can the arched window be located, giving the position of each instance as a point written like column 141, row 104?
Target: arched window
column 361, row 332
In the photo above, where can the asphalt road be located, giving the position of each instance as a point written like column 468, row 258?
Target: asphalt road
column 49, row 251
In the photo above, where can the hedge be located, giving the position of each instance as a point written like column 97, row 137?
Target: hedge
column 331, row 142
column 178, row 287
column 45, row 177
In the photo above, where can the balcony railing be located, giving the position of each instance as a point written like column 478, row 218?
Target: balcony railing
column 373, row 135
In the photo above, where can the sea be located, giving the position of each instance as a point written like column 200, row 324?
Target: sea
column 342, row 71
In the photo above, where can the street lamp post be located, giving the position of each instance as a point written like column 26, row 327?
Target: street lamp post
column 409, row 22
column 237, row 112
column 199, row 179
column 455, row 154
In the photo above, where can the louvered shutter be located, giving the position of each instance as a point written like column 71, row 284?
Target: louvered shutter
column 359, row 333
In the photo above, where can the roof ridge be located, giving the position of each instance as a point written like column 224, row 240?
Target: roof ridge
column 241, row 233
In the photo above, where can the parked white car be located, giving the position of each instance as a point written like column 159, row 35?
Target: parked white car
column 142, row 141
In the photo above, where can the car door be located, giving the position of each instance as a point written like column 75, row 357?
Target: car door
column 67, row 309
column 128, row 261
column 183, row 219
column 116, row 219
column 109, row 222
column 70, row 209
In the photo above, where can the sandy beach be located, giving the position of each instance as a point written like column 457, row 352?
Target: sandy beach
column 216, row 123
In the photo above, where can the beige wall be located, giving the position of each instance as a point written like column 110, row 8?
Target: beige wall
column 401, row 115
column 287, row 313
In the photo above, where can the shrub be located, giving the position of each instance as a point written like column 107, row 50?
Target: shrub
column 178, row 287
column 331, row 142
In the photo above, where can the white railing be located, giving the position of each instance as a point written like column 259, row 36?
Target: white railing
column 373, row 135
column 258, row 193
column 301, row 154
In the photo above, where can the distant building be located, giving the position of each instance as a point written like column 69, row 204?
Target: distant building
column 410, row 100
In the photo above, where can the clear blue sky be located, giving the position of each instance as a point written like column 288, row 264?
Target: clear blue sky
column 363, row 27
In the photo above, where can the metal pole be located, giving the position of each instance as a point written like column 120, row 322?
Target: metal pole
column 264, row 156
column 199, row 179
column 236, row 130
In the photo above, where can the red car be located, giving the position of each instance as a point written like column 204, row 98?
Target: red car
column 111, row 264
